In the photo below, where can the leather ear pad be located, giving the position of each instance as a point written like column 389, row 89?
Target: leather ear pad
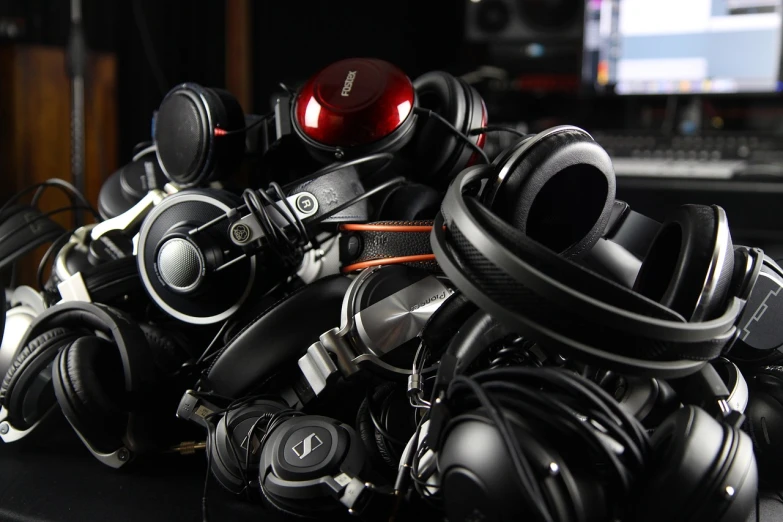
column 16, row 242
column 30, row 361
column 88, row 379
column 502, row 288
column 435, row 149
column 168, row 351
column 278, row 336
column 676, row 267
column 560, row 194
column 694, row 459
column 410, row 202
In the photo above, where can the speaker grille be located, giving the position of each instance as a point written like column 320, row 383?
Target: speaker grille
column 180, row 264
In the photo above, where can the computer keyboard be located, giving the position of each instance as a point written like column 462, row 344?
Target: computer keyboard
column 708, row 156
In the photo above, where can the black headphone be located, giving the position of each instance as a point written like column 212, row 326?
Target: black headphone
column 765, row 420
column 22, row 230
column 300, row 463
column 546, row 201
column 199, row 134
column 716, row 482
column 215, row 245
column 102, row 367
column 126, row 187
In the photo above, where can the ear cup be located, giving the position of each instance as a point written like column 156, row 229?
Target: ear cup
column 439, row 154
column 188, row 148
column 764, row 416
column 410, row 202
column 88, row 384
column 374, row 442
column 168, row 349
column 238, row 436
column 559, row 193
column 129, row 184
column 690, row 263
column 28, row 365
column 704, row 469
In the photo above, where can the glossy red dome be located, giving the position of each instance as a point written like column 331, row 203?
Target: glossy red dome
column 353, row 102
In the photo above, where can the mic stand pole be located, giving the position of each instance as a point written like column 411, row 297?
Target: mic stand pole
column 76, row 63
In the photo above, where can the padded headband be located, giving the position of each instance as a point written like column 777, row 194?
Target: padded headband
column 129, row 339
column 277, row 336
column 16, row 239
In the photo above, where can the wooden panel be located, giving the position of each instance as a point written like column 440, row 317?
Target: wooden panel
column 35, row 127
column 239, row 52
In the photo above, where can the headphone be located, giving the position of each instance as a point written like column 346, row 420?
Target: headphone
column 765, row 420
column 349, row 109
column 512, row 249
column 126, row 187
column 98, row 366
column 201, row 251
column 513, row 422
column 303, row 465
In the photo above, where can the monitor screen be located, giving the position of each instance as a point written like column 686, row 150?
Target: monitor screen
column 683, row 46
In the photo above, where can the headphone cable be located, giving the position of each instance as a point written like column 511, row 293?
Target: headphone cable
column 497, row 128
column 340, row 165
column 64, row 186
column 454, row 131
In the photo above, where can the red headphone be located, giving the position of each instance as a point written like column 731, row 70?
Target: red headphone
column 349, row 109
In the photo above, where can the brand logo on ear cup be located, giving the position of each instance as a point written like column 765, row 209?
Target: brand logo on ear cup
column 348, row 85
column 305, row 447
column 240, row 233
column 434, row 298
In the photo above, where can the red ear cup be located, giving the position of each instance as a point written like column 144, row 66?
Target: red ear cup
column 438, row 154
column 557, row 188
column 355, row 107
column 690, row 263
column 189, row 149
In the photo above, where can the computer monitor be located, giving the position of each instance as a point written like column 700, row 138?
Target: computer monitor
column 683, row 46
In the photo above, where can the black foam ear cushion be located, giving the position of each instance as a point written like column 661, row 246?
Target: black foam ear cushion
column 439, row 154
column 279, row 335
column 28, row 363
column 560, row 193
column 676, row 268
column 168, row 350
column 89, row 388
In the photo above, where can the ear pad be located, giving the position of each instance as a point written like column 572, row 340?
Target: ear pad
column 700, row 470
column 168, row 349
column 22, row 230
column 129, row 184
column 439, row 154
column 392, row 412
column 559, row 193
column 277, row 336
column 238, row 437
column 765, row 421
column 679, row 269
column 189, row 151
column 115, row 283
column 88, row 384
column 32, row 360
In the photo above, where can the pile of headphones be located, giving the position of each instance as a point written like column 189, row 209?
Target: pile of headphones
column 355, row 312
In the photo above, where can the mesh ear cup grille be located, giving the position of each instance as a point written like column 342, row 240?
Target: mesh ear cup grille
column 180, row 264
